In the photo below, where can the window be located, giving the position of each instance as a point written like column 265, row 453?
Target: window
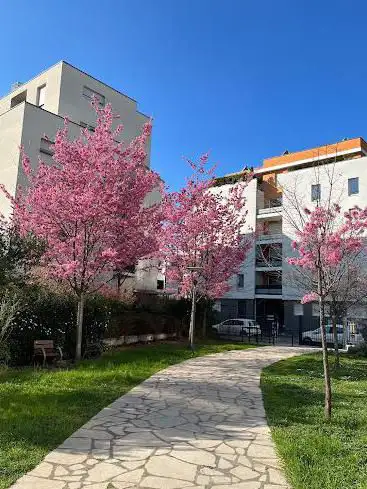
column 87, row 126
column 315, row 192
column 41, row 91
column 89, row 94
column 240, row 280
column 315, row 309
column 47, row 147
column 353, row 186
column 160, row 284
column 298, row 309
column 18, row 99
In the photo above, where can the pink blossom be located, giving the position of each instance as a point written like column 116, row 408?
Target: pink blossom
column 89, row 207
column 203, row 229
column 311, row 297
column 328, row 237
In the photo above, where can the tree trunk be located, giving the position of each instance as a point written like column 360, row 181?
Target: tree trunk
column 336, row 342
column 79, row 328
column 118, row 283
column 325, row 359
column 345, row 331
column 192, row 318
column 205, row 319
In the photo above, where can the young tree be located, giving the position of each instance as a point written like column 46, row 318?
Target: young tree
column 202, row 242
column 89, row 207
column 322, row 245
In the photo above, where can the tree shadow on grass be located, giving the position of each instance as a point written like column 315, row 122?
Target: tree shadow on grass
column 294, row 393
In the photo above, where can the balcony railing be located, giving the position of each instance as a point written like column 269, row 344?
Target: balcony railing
column 270, row 237
column 275, row 262
column 268, row 289
column 270, row 210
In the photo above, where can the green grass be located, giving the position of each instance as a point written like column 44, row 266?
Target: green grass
column 40, row 408
column 319, row 455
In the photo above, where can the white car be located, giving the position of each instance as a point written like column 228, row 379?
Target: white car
column 237, row 327
column 314, row 337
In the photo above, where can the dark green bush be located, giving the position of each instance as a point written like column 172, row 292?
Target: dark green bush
column 47, row 315
column 359, row 350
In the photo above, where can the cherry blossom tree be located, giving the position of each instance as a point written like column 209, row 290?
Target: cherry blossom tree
column 202, row 242
column 89, row 207
column 324, row 245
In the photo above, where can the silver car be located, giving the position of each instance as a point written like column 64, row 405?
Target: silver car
column 314, row 337
column 237, row 327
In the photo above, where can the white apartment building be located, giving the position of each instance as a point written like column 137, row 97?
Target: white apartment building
column 263, row 289
column 38, row 107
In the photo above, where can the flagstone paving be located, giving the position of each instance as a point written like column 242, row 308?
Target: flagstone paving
column 196, row 425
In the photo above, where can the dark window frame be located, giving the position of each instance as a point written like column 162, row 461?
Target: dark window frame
column 18, row 99
column 160, row 284
column 45, row 150
column 39, row 89
column 240, row 280
column 101, row 98
column 351, row 189
column 315, row 192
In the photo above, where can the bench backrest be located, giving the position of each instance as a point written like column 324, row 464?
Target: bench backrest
column 46, row 344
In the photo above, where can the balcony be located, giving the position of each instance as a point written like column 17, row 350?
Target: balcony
column 270, row 238
column 270, row 213
column 268, row 263
column 270, row 289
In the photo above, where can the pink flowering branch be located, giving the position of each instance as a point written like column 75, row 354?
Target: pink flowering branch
column 202, row 241
column 89, row 207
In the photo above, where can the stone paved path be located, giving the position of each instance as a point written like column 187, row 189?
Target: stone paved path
column 197, row 425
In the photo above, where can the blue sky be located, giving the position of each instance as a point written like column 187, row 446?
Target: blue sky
column 243, row 79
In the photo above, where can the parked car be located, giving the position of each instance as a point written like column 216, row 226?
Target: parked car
column 314, row 337
column 237, row 327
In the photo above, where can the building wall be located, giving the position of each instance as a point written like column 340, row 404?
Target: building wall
column 248, row 267
column 37, row 124
column 11, row 124
column 51, row 78
column 148, row 272
column 298, row 324
column 74, row 105
column 235, row 308
column 296, row 189
column 26, row 124
column 315, row 153
column 298, row 183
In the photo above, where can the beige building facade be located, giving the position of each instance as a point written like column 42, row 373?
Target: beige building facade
column 32, row 112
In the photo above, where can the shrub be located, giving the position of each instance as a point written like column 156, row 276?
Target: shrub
column 49, row 315
column 359, row 350
column 46, row 315
column 10, row 307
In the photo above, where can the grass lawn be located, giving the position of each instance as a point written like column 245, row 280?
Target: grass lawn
column 319, row 455
column 40, row 408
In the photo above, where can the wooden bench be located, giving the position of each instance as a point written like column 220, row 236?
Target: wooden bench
column 46, row 349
